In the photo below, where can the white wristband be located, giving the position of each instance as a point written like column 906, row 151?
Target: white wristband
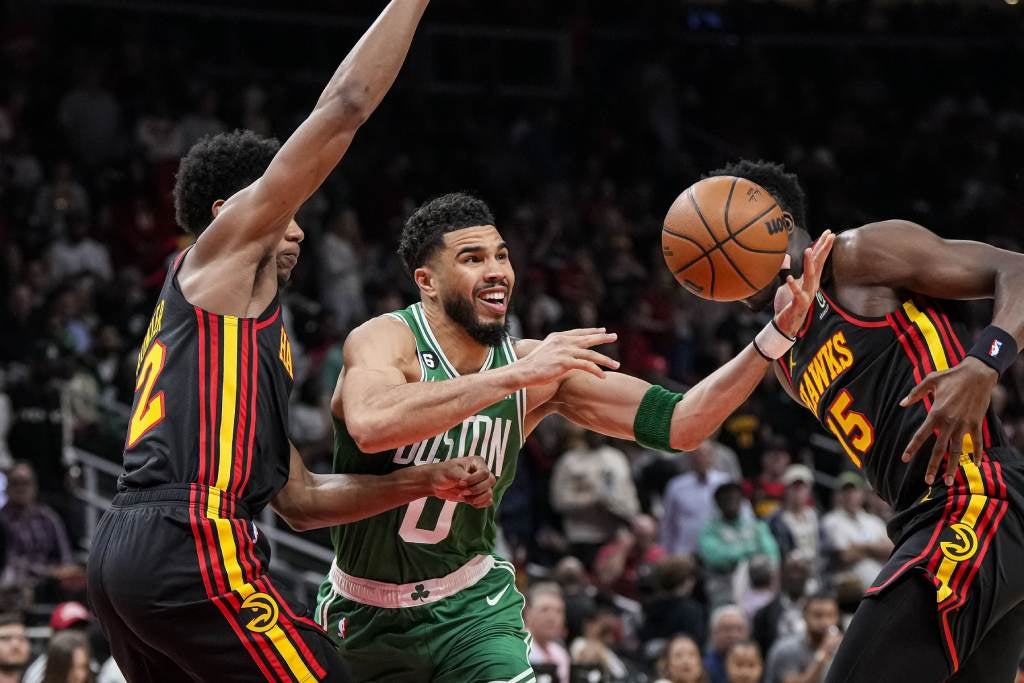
column 773, row 343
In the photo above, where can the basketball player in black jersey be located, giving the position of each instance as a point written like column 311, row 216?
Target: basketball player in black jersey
column 886, row 367
column 177, row 573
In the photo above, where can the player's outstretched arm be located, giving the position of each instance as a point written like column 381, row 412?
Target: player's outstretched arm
column 383, row 407
column 907, row 257
column 628, row 408
column 312, row 501
column 251, row 222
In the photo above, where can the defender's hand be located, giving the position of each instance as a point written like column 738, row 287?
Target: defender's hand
column 562, row 352
column 800, row 292
column 463, row 480
column 960, row 397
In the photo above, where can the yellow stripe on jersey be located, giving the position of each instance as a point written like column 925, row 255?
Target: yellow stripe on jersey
column 931, row 335
column 229, row 550
column 228, row 402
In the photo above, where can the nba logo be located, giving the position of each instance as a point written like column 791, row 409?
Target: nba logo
column 342, row 627
column 994, row 349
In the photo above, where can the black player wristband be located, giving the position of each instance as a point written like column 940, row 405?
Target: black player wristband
column 996, row 348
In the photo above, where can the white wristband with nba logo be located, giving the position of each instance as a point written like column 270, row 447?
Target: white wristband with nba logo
column 772, row 343
column 996, row 348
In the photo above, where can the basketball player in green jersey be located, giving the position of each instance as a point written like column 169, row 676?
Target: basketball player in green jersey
column 416, row 594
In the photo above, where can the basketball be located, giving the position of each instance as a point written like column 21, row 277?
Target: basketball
column 724, row 238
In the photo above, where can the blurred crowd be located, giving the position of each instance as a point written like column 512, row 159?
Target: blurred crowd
column 737, row 563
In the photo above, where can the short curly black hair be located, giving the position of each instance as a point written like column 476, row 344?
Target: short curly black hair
column 215, row 168
column 423, row 233
column 784, row 186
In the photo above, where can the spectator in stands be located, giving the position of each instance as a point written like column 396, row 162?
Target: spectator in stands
column 857, row 538
column 743, row 663
column 672, row 609
column 728, row 542
column 795, row 525
column 545, row 620
column 681, row 662
column 57, row 200
column 624, row 562
column 602, row 632
column 79, row 254
column 69, row 616
column 68, row 658
column 807, row 656
column 592, row 487
column 784, row 616
column 689, row 503
column 729, row 626
column 90, row 117
column 14, row 647
column 760, row 586
column 38, row 541
column 767, row 489
column 578, row 593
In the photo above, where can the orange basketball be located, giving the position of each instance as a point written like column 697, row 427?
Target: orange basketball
column 724, row 238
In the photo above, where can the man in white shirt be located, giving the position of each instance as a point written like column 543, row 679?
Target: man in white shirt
column 545, row 620
column 690, row 502
column 857, row 537
column 592, row 487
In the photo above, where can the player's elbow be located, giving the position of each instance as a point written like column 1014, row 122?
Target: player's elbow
column 366, row 433
column 348, row 105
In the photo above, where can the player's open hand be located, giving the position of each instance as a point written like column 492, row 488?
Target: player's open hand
column 563, row 352
column 463, row 480
column 800, row 292
column 960, row 397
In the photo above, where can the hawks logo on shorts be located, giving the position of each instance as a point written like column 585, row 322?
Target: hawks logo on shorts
column 264, row 611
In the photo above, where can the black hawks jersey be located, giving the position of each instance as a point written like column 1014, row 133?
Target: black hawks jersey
column 852, row 372
column 211, row 401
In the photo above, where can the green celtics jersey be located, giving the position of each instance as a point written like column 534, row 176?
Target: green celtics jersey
column 430, row 537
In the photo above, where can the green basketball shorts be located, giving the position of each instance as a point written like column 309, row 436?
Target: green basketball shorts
column 466, row 627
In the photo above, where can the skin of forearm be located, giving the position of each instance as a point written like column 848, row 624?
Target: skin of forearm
column 705, row 407
column 332, row 499
column 370, row 68
column 1009, row 305
column 408, row 413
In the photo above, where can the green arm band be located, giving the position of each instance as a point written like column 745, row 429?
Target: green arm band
column 653, row 421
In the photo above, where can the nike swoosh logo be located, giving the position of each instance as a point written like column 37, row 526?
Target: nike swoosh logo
column 494, row 601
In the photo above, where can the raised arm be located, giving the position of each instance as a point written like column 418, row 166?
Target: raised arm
column 312, row 501
column 907, row 257
column 249, row 225
column 610, row 405
column 383, row 406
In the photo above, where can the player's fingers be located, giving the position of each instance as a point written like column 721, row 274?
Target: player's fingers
column 482, row 486
column 475, row 477
column 587, row 341
column 597, row 358
column 795, row 288
column 920, row 436
column 580, row 332
column 480, row 501
column 939, row 451
column 586, row 366
column 919, row 392
column 977, row 444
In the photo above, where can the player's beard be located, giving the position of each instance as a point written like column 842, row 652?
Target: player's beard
column 463, row 313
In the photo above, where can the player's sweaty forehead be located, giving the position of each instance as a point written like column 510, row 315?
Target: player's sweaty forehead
column 479, row 238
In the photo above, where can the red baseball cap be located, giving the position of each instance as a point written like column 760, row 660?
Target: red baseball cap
column 67, row 614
